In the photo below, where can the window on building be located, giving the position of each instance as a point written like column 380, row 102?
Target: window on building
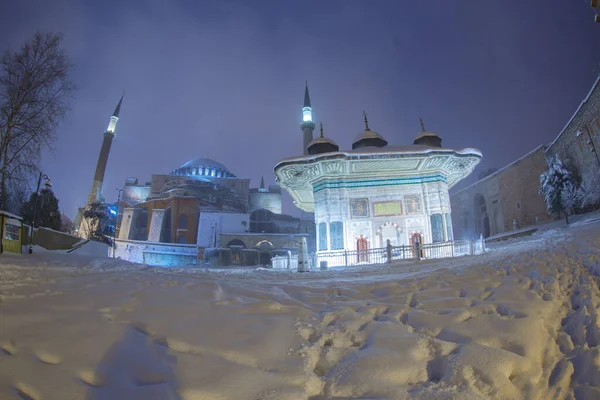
column 336, row 235
column 322, row 236
column 182, row 240
column 437, row 228
column 183, row 221
column 261, row 220
column 12, row 232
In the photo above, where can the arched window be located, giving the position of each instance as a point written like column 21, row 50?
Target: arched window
column 236, row 242
column 183, row 221
column 336, row 235
column 322, row 236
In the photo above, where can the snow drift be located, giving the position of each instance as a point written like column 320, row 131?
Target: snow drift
column 521, row 322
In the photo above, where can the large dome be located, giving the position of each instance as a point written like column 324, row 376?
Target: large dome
column 204, row 167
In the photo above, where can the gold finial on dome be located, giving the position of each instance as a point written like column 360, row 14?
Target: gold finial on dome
column 366, row 121
column 422, row 124
column 321, row 129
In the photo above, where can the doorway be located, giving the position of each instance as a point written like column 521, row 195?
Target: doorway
column 362, row 247
column 391, row 233
column 416, row 238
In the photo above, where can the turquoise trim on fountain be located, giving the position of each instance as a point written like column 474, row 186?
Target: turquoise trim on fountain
column 351, row 184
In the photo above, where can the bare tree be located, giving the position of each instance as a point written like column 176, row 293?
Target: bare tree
column 34, row 89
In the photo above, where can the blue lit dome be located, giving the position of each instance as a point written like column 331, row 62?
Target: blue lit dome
column 203, row 167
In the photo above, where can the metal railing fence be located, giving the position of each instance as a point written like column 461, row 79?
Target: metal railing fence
column 345, row 258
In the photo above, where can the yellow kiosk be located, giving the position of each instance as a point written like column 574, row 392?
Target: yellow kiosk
column 11, row 230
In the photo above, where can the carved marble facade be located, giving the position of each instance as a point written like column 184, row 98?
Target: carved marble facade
column 394, row 212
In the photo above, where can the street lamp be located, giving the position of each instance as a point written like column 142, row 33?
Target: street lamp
column 48, row 185
column 119, row 191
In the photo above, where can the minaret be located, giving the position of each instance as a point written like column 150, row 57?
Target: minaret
column 262, row 184
column 96, row 192
column 307, row 122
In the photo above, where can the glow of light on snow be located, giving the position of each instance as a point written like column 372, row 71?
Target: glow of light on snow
column 486, row 326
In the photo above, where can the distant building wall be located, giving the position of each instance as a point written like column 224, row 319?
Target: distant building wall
column 510, row 198
column 266, row 200
column 212, row 224
column 576, row 150
column 492, row 205
column 135, row 194
column 253, row 240
column 54, row 240
column 519, row 188
column 159, row 254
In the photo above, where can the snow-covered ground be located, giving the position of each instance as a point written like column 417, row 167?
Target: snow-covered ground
column 521, row 322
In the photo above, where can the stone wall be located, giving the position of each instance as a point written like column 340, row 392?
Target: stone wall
column 251, row 240
column 54, row 240
column 510, row 197
column 214, row 223
column 519, row 188
column 267, row 200
column 574, row 150
column 158, row 254
column 507, row 195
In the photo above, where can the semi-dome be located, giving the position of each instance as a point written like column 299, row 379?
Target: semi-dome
column 322, row 145
column 368, row 138
column 203, row 167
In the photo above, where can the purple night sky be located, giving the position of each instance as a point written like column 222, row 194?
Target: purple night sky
column 227, row 78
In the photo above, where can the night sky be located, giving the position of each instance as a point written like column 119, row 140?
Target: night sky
column 226, row 78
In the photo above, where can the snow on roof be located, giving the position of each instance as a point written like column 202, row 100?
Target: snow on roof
column 10, row 215
column 500, row 170
column 576, row 111
column 387, row 150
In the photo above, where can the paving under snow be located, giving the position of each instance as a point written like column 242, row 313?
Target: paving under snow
column 521, row 322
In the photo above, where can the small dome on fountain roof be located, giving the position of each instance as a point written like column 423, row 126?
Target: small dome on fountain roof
column 322, row 145
column 368, row 137
column 427, row 138
column 203, row 166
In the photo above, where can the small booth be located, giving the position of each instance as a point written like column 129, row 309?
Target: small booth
column 11, row 230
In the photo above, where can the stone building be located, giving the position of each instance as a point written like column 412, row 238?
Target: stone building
column 502, row 201
column 375, row 192
column 171, row 219
column 509, row 199
column 575, row 144
column 265, row 198
column 168, row 209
